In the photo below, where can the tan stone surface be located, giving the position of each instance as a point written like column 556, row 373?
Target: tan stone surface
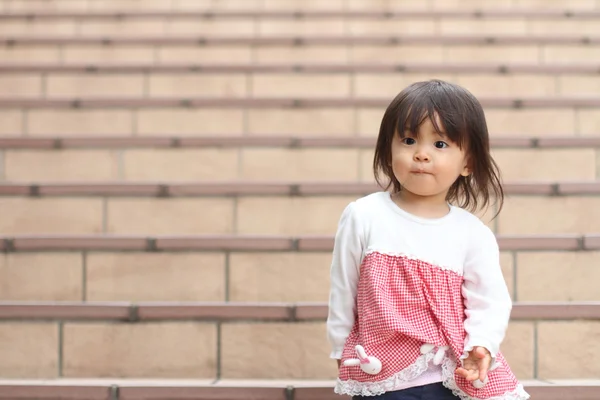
column 205, row 5
column 495, row 26
column 398, row 54
column 128, row 27
column 508, row 267
column 223, row 27
column 41, row 277
column 588, row 122
column 290, row 215
column 180, row 216
column 302, row 54
column 41, row 5
column 470, row 4
column 389, row 85
column 571, row 54
column 550, row 215
column 110, row 86
column 308, row 5
column 29, row 350
column 518, row 348
column 303, row 122
column 366, row 156
column 145, row 350
column 48, row 122
column 228, row 54
column 293, row 351
column 500, row 53
column 558, row 276
column 386, row 5
column 564, row 27
column 50, row 215
column 358, row 27
column 108, row 54
column 579, row 85
column 368, row 122
column 279, row 277
column 81, row 165
column 521, row 85
column 128, row 5
column 190, row 122
column 299, row 86
column 568, row 349
column 531, row 122
column 20, row 86
column 173, row 165
column 11, row 122
column 573, row 4
column 546, row 164
column 300, row 164
column 155, row 277
column 198, row 85
column 46, row 54
column 275, row 27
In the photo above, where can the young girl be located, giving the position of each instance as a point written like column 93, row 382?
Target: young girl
column 418, row 304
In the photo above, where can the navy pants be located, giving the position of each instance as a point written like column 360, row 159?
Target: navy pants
column 435, row 391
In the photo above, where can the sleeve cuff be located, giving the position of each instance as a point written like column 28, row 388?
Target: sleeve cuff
column 336, row 354
column 471, row 343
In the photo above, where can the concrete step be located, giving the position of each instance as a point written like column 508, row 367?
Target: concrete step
column 341, row 116
column 375, row 13
column 539, row 49
column 299, row 69
column 37, row 80
column 173, row 389
column 254, row 159
column 264, row 209
column 224, row 340
column 256, row 23
column 250, row 5
column 245, row 268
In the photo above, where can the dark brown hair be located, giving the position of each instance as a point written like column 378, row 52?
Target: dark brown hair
column 462, row 120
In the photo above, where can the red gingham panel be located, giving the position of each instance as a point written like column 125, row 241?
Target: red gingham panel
column 403, row 303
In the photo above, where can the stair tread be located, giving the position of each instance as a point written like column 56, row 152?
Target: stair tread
column 217, row 242
column 294, row 40
column 512, row 102
column 233, row 311
column 235, row 389
column 173, row 141
column 166, row 189
column 242, row 383
column 397, row 13
column 299, row 68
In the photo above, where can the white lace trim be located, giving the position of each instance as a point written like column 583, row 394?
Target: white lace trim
column 448, row 368
column 356, row 388
column 413, row 257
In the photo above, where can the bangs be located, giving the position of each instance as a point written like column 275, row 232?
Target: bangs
column 438, row 104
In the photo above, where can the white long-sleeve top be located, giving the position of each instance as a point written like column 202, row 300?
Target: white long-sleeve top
column 459, row 242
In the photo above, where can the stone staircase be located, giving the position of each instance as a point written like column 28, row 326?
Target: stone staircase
column 173, row 171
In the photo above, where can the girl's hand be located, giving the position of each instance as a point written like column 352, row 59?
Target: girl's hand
column 476, row 365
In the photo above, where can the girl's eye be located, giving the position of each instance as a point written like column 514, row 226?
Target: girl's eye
column 441, row 145
column 408, row 141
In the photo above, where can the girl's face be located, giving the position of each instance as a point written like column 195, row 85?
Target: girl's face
column 427, row 164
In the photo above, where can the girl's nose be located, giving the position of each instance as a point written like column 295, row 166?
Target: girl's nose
column 421, row 156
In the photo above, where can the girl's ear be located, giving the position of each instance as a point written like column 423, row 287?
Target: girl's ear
column 466, row 171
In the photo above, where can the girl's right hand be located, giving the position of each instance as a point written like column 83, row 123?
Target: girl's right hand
column 476, row 366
